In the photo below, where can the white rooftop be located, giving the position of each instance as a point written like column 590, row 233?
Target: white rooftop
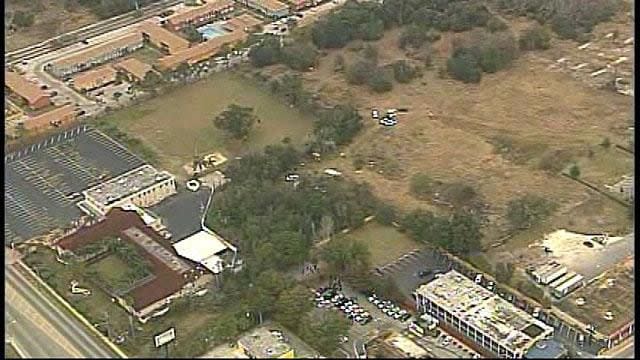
column 512, row 327
column 203, row 247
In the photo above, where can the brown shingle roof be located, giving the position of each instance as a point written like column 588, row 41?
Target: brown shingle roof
column 23, row 87
column 62, row 114
column 160, row 35
column 185, row 16
column 134, row 67
column 201, row 51
column 271, row 5
column 94, row 78
column 96, row 51
column 242, row 22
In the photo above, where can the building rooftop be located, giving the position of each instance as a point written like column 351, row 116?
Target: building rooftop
column 96, row 77
column 61, row 114
column 271, row 5
column 99, row 50
column 613, row 292
column 507, row 324
column 159, row 34
column 546, row 349
column 23, row 87
column 262, row 343
column 126, row 184
column 194, row 12
column 243, row 22
column 201, row 51
column 134, row 67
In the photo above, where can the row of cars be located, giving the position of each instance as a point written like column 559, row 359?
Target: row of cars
column 389, row 308
column 390, row 118
column 330, row 297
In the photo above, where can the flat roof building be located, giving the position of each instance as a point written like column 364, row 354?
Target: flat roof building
column 143, row 186
column 486, row 319
column 262, row 343
column 195, row 16
column 35, row 97
column 135, row 68
column 95, row 78
column 162, row 38
column 96, row 55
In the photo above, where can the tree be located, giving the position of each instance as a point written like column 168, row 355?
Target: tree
column 379, row 81
column 606, row 143
column 192, row 34
column 322, row 331
column 339, row 124
column 386, row 214
column 421, row 186
column 535, row 38
column 266, row 53
column 413, row 36
column 403, row 72
column 23, row 19
column 464, row 66
column 528, row 210
column 459, row 194
column 503, row 272
column 496, row 24
column 151, row 80
column 574, row 171
column 292, row 305
column 236, row 120
column 359, row 72
column 299, row 56
column 464, row 233
column 290, row 247
column 345, row 255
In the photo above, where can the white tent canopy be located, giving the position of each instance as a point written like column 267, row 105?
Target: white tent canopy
column 203, row 247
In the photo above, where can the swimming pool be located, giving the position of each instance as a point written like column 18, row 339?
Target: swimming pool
column 211, row 31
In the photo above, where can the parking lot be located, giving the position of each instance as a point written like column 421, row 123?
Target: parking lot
column 43, row 180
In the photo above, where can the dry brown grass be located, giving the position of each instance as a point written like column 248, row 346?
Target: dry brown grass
column 540, row 111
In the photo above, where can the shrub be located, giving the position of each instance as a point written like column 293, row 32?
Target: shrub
column 535, row 38
column 464, row 66
column 403, row 72
column 379, row 81
column 606, row 143
column 574, row 171
column 23, row 18
column 359, row 72
column 529, row 210
column 496, row 24
column 421, row 186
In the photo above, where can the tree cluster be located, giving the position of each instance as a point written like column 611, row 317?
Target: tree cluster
column 459, row 234
column 570, row 19
column 528, row 210
column 485, row 52
column 335, row 126
column 299, row 55
column 535, row 38
column 236, row 120
column 352, row 22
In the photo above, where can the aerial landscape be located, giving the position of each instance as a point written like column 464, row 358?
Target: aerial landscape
column 319, row 179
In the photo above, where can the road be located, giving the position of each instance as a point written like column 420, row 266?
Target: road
column 39, row 328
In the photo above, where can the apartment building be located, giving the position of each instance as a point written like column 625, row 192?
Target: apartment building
column 135, row 69
column 31, row 93
column 269, row 8
column 162, row 38
column 54, row 118
column 95, row 78
column 493, row 324
column 96, row 55
column 212, row 10
column 144, row 186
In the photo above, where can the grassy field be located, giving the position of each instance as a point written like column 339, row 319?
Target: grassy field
column 51, row 19
column 147, row 55
column 178, row 122
column 605, row 167
column 112, row 271
column 385, row 243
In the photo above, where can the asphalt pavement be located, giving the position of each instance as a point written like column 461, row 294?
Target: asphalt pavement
column 39, row 328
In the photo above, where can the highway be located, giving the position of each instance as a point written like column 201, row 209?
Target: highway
column 39, row 328
column 87, row 32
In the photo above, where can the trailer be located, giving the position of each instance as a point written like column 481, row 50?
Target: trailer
column 568, row 286
column 549, row 273
column 562, row 279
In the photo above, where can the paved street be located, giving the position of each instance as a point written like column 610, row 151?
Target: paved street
column 39, row 328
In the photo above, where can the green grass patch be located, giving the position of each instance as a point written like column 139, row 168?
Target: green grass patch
column 385, row 243
column 147, row 54
column 605, row 166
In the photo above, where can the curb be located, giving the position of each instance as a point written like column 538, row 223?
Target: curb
column 74, row 311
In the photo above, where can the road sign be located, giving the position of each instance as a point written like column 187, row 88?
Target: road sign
column 165, row 337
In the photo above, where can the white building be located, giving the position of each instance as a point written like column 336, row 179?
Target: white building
column 483, row 317
column 207, row 249
column 143, row 186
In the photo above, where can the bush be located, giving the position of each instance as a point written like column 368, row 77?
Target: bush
column 23, row 19
column 421, row 186
column 299, row 56
column 529, row 210
column 574, row 171
column 380, row 82
column 265, row 54
column 496, row 24
column 386, row 214
column 464, row 66
column 606, row 143
column 413, row 36
column 535, row 38
column 359, row 72
column 403, row 72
